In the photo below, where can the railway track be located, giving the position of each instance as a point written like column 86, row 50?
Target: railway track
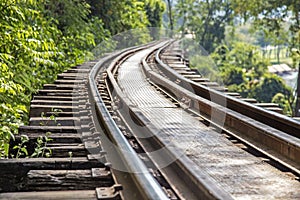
column 130, row 127
column 264, row 128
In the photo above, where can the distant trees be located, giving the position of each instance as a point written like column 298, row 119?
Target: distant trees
column 119, row 16
column 240, row 66
column 243, row 56
column 277, row 21
column 206, row 20
column 243, row 70
column 232, row 75
column 273, row 17
column 154, row 10
column 170, row 14
column 268, row 86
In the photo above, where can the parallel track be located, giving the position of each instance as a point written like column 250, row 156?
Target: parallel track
column 272, row 132
column 272, row 119
column 286, row 155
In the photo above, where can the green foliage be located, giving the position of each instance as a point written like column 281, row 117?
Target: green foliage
column 69, row 16
column 268, row 87
column 232, row 75
column 243, row 89
column 36, row 44
column 154, row 10
column 296, row 56
column 41, row 148
column 283, row 102
column 244, row 71
column 205, row 66
column 280, row 20
column 41, row 38
column 21, row 147
column 26, row 51
column 119, row 16
column 51, row 118
column 243, row 56
column 206, row 20
column 244, row 33
column 79, row 34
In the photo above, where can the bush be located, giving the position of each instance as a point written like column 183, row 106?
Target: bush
column 35, row 46
column 268, row 87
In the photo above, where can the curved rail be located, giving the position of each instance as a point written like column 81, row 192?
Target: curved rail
column 246, row 127
column 273, row 119
column 148, row 185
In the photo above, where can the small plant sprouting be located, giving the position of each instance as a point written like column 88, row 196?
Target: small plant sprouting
column 21, row 147
column 70, row 155
column 41, row 148
column 53, row 117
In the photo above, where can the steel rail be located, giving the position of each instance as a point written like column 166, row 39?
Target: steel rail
column 148, row 186
column 273, row 119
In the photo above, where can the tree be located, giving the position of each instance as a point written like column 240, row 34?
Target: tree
column 278, row 38
column 296, row 58
column 268, row 87
column 154, row 10
column 39, row 39
column 272, row 16
column 241, row 55
column 119, row 16
column 78, row 33
column 170, row 14
column 283, row 103
column 67, row 14
column 26, row 51
column 232, row 75
column 243, row 71
column 206, row 20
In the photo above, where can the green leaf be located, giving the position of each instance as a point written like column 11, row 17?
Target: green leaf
column 24, row 150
